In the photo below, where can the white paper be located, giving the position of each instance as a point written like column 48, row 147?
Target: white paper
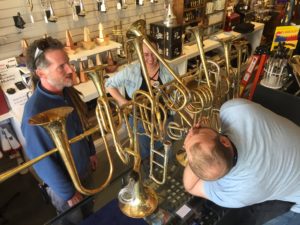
column 183, row 211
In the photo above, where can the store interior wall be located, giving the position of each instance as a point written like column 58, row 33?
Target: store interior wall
column 10, row 36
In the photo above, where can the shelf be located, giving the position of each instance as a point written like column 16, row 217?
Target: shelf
column 88, row 90
column 190, row 22
column 214, row 24
column 193, row 8
column 82, row 53
column 190, row 51
column 215, row 12
column 6, row 116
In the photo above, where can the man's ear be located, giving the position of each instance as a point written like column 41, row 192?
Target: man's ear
column 40, row 72
column 225, row 141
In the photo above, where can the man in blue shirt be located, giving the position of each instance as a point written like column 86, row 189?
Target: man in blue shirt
column 52, row 77
column 256, row 159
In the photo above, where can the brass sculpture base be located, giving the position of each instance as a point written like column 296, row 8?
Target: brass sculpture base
column 141, row 208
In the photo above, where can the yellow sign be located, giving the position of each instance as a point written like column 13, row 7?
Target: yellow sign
column 287, row 34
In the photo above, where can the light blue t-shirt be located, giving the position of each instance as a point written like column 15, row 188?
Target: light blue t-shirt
column 268, row 165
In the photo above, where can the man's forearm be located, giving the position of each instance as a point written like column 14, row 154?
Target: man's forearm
column 114, row 92
column 193, row 184
column 189, row 178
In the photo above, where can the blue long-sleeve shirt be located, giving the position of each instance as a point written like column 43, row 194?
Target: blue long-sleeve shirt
column 51, row 169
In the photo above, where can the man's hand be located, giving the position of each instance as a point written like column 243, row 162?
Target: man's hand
column 94, row 162
column 77, row 197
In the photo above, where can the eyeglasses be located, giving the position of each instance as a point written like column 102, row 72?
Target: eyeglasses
column 42, row 45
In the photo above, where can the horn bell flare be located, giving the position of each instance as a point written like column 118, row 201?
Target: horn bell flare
column 141, row 206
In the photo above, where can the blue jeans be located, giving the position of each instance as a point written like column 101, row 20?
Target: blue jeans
column 77, row 214
column 288, row 218
column 61, row 206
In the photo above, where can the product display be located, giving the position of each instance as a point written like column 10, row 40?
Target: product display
column 205, row 72
column 49, row 15
column 29, row 5
column 168, row 39
column 87, row 43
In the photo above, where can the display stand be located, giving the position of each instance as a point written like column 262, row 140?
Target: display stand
column 191, row 51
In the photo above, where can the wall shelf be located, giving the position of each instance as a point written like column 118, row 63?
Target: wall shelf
column 190, row 51
column 215, row 12
column 194, row 8
column 6, row 116
column 82, row 53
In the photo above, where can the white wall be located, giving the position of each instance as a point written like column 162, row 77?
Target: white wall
column 10, row 36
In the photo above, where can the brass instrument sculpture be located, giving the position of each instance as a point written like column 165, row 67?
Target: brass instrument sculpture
column 105, row 117
column 233, row 76
column 119, row 37
column 174, row 94
column 136, row 33
column 203, row 103
column 135, row 200
column 144, row 200
column 54, row 120
column 226, row 43
column 239, row 46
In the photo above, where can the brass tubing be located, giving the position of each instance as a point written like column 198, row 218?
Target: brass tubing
column 198, row 33
column 5, row 175
column 138, row 48
column 226, row 45
column 54, row 121
column 106, row 121
column 238, row 44
column 137, row 32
